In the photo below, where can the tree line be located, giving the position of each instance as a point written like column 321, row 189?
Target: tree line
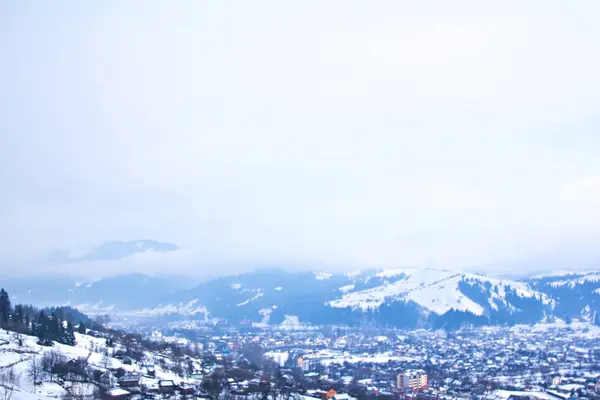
column 48, row 325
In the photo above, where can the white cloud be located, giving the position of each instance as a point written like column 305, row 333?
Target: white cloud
column 333, row 133
column 585, row 190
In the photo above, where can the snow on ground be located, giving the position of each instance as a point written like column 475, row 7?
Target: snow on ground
column 93, row 309
column 280, row 357
column 559, row 273
column 322, row 275
column 505, row 394
column 578, row 279
column 444, row 296
column 21, row 357
column 92, row 348
column 243, row 303
column 266, row 314
column 434, row 290
column 353, row 274
column 390, row 273
column 499, row 286
column 292, row 322
column 190, row 308
column 582, row 329
column 347, row 288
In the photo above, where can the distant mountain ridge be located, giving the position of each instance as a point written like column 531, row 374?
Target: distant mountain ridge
column 403, row 298
column 129, row 291
column 113, row 250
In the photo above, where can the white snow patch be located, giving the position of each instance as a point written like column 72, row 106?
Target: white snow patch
column 243, row 303
column 95, row 309
column 578, row 280
column 558, row 273
column 347, row 288
column 266, row 314
column 505, row 394
column 280, row 357
column 322, row 275
column 389, row 273
column 190, row 308
column 435, row 290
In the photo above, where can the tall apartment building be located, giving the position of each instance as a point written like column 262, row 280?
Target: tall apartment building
column 411, row 380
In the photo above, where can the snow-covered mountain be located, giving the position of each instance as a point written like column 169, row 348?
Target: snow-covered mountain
column 400, row 297
column 576, row 294
column 440, row 291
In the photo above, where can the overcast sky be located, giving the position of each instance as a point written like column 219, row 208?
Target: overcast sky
column 309, row 134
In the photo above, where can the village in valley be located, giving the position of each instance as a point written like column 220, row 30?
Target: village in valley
column 47, row 354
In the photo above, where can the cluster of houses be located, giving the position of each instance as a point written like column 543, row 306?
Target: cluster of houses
column 541, row 362
column 132, row 383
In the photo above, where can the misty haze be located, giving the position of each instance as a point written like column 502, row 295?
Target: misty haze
column 277, row 200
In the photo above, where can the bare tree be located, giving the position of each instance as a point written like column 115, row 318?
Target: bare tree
column 35, row 371
column 9, row 379
column 50, row 361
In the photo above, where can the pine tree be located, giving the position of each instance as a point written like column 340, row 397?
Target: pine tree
column 4, row 308
column 41, row 328
column 18, row 319
column 81, row 328
column 70, row 335
column 55, row 328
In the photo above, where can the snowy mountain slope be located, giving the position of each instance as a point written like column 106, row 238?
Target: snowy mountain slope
column 399, row 297
column 439, row 291
column 20, row 356
column 574, row 280
column 405, row 297
column 576, row 294
column 415, row 285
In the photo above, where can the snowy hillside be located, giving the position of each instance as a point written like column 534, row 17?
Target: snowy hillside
column 574, row 280
column 407, row 297
column 438, row 291
column 576, row 294
column 24, row 361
